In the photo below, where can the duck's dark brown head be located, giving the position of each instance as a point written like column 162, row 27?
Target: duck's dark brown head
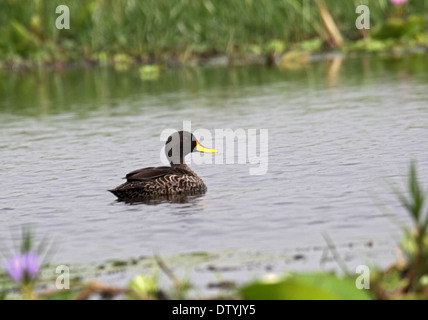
column 180, row 144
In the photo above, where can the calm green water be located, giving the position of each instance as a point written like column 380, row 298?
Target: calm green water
column 339, row 134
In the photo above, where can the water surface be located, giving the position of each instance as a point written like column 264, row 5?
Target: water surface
column 340, row 133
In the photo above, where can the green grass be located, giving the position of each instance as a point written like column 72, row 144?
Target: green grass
column 148, row 30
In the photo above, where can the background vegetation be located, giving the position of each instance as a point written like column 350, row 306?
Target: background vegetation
column 150, row 30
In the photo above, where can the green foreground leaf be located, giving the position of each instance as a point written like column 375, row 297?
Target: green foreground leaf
column 317, row 286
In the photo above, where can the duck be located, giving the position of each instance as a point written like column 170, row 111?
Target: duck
column 162, row 182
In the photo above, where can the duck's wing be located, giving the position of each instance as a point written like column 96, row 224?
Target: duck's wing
column 149, row 173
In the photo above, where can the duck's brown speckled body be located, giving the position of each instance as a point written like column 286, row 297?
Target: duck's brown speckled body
column 159, row 182
column 162, row 182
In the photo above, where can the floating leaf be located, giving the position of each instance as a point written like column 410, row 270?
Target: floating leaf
column 149, row 72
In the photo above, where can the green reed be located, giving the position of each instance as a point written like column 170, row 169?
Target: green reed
column 414, row 244
column 156, row 27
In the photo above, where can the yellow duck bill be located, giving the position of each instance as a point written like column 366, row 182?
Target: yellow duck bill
column 203, row 149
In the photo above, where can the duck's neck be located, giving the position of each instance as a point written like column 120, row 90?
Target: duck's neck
column 183, row 166
column 180, row 166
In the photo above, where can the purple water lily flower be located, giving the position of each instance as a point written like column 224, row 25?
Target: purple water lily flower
column 398, row 2
column 23, row 266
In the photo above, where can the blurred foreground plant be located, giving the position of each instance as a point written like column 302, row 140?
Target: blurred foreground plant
column 414, row 245
column 305, row 286
column 408, row 277
column 23, row 268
